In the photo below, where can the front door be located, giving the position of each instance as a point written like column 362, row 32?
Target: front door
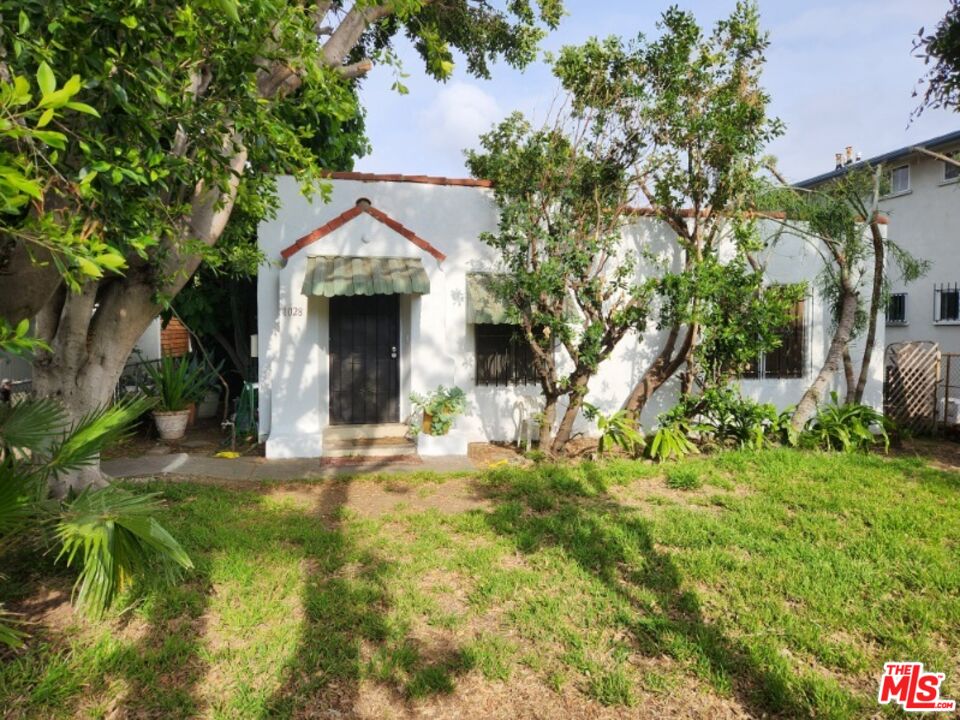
column 364, row 359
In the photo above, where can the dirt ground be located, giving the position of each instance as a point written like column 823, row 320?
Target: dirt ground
column 942, row 454
column 204, row 437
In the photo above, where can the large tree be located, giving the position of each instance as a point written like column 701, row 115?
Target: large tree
column 690, row 106
column 194, row 99
column 564, row 194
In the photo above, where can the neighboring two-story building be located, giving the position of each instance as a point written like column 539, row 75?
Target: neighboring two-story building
column 922, row 202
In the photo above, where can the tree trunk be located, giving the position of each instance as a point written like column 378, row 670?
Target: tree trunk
column 549, row 418
column 807, row 407
column 92, row 333
column 876, row 297
column 576, row 395
column 848, row 375
column 663, row 367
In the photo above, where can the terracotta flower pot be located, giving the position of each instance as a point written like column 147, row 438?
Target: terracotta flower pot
column 171, row 425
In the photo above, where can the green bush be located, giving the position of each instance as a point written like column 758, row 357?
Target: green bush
column 724, row 416
column 671, row 440
column 619, row 429
column 846, row 427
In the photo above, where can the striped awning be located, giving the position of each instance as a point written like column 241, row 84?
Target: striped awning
column 329, row 276
column 484, row 307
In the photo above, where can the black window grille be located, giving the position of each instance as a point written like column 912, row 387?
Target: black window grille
column 946, row 302
column 787, row 360
column 897, row 309
column 503, row 356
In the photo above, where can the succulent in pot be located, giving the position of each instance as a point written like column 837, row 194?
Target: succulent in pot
column 176, row 384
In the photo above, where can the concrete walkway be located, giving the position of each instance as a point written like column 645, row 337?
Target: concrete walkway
column 258, row 468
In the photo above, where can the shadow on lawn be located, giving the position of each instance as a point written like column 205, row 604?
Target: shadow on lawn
column 572, row 510
column 348, row 632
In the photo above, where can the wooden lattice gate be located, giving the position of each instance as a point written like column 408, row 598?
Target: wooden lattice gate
column 910, row 384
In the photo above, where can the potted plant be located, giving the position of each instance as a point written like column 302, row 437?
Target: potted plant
column 176, row 384
column 438, row 409
column 433, row 417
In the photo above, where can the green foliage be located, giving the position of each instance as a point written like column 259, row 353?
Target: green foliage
column 940, row 50
column 617, row 428
column 443, row 405
column 169, row 82
column 563, row 194
column 848, row 427
column 672, row 441
column 740, row 318
column 688, row 113
column 562, row 202
column 113, row 537
column 723, row 415
column 29, row 154
column 175, row 383
column 16, row 341
column 107, row 532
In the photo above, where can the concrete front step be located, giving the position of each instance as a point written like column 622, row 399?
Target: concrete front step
column 367, row 441
column 350, row 432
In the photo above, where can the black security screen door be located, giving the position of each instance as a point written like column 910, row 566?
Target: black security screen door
column 364, row 359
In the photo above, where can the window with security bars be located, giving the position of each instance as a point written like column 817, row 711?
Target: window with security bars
column 946, row 303
column 787, row 360
column 503, row 356
column 897, row 309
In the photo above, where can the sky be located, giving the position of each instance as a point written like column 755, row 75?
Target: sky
column 839, row 73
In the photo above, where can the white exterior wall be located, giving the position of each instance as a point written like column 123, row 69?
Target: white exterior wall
column 926, row 222
column 437, row 344
column 148, row 346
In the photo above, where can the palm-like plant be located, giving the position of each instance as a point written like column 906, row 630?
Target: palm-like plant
column 109, row 532
column 177, row 382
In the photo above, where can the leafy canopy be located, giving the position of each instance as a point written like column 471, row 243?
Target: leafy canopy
column 173, row 88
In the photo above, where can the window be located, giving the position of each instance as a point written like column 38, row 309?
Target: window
column 946, row 303
column 787, row 360
column 951, row 171
column 900, row 179
column 897, row 309
column 503, row 356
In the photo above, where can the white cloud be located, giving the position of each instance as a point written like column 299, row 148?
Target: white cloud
column 458, row 115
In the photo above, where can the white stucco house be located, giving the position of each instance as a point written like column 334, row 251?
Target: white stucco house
column 923, row 208
column 373, row 295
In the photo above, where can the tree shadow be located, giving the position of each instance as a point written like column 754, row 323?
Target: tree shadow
column 348, row 633
column 559, row 507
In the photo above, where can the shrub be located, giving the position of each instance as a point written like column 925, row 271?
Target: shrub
column 846, row 427
column 619, row 429
column 671, row 441
column 725, row 416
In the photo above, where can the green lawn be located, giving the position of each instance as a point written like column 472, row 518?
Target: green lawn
column 774, row 583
